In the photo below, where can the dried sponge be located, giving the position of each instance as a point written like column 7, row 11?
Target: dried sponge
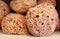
column 4, row 10
column 42, row 20
column 53, row 2
column 22, row 6
column 14, row 24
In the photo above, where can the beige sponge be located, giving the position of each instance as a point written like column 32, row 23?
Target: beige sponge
column 22, row 6
column 14, row 24
column 4, row 10
column 53, row 2
column 42, row 19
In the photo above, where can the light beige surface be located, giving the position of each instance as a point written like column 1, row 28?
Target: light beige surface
column 55, row 35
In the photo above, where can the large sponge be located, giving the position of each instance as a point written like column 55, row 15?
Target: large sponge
column 42, row 19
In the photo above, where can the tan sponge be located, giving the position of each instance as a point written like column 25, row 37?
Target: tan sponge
column 14, row 24
column 4, row 10
column 22, row 6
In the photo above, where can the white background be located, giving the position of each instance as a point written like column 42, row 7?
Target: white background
column 55, row 35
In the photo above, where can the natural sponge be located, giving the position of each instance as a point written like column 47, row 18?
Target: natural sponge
column 42, row 20
column 53, row 2
column 58, row 26
column 4, row 10
column 14, row 24
column 22, row 6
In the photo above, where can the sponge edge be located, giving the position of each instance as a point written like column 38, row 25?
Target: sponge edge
column 4, row 10
column 22, row 6
column 42, row 20
column 58, row 26
column 53, row 2
column 14, row 24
